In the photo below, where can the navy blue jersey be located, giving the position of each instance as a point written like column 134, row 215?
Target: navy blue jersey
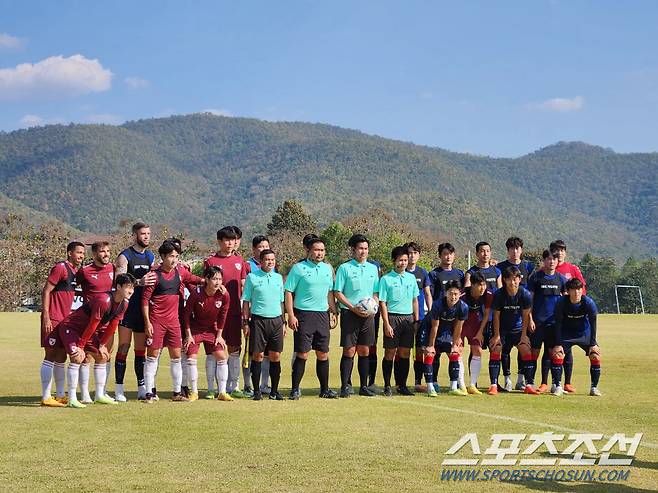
column 491, row 275
column 526, row 268
column 511, row 308
column 546, row 291
column 575, row 321
column 421, row 279
column 448, row 315
column 438, row 279
column 139, row 264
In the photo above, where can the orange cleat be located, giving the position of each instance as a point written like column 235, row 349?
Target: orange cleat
column 529, row 389
column 493, row 390
column 542, row 388
column 569, row 388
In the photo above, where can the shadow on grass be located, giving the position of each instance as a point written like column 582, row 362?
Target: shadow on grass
column 590, row 487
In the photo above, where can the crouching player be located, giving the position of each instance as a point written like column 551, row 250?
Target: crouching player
column 87, row 331
column 262, row 303
column 203, row 319
column 511, row 319
column 398, row 302
column 445, row 320
column 479, row 300
column 575, row 325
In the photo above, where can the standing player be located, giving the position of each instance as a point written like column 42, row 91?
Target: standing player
column 309, row 312
column 575, row 325
column 511, row 319
column 491, row 273
column 355, row 280
column 546, row 287
column 234, row 270
column 203, row 320
column 445, row 272
column 398, row 302
column 87, row 331
column 56, row 299
column 136, row 260
column 479, row 301
column 161, row 319
column 262, row 304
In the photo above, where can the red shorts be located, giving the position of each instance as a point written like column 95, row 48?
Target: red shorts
column 69, row 339
column 169, row 337
column 469, row 331
column 232, row 332
column 208, row 340
column 46, row 339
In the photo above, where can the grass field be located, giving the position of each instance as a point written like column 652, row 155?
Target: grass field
column 359, row 444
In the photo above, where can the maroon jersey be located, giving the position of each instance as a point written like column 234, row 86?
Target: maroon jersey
column 476, row 310
column 205, row 313
column 94, row 316
column 234, row 271
column 62, row 276
column 163, row 296
column 95, row 281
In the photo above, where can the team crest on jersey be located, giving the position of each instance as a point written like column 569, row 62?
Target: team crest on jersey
column 149, row 341
column 238, row 266
column 218, row 304
column 52, row 341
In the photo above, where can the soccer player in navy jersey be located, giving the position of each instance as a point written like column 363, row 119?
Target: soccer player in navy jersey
column 137, row 261
column 546, row 287
column 511, row 307
column 441, row 333
column 445, row 272
column 491, row 273
column 575, row 325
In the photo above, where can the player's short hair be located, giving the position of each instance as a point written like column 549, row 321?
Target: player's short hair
column 557, row 245
column 398, row 251
column 514, row 242
column 511, row 271
column 547, row 253
column 480, row 244
column 267, row 251
column 477, row 278
column 356, row 239
column 167, row 247
column 412, row 245
column 574, row 283
column 237, row 230
column 97, row 245
column 227, row 233
column 176, row 242
column 445, row 246
column 452, row 284
column 123, row 279
column 73, row 245
column 257, row 240
column 139, row 225
column 313, row 241
column 211, row 270
column 306, row 241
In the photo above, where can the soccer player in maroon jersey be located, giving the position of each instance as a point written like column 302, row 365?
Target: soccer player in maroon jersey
column 234, row 272
column 161, row 320
column 87, row 331
column 56, row 299
column 203, row 320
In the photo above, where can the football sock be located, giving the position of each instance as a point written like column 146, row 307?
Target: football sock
column 462, row 383
column 568, row 367
column 475, row 367
column 363, row 366
column 428, row 369
column 453, row 370
column 185, row 378
column 108, row 372
column 255, row 369
column 265, row 372
column 372, row 370
column 46, row 373
column 140, row 359
column 59, row 371
column 150, row 367
column 494, row 368
column 298, row 368
column 556, row 370
column 120, row 367
column 211, row 370
column 246, row 374
column 321, row 370
column 519, row 367
column 233, row 382
column 436, row 365
column 527, row 368
column 192, row 374
column 346, row 364
column 595, row 372
column 387, row 369
column 100, row 376
column 545, row 366
column 275, row 373
column 176, row 373
column 73, row 371
column 222, row 375
column 506, row 362
column 402, row 371
column 84, row 381
column 532, row 370
column 418, row 369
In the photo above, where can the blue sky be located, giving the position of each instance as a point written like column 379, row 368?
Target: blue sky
column 496, row 78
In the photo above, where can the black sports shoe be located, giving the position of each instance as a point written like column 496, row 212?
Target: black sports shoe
column 388, row 392
column 404, row 390
column 294, row 395
column 328, row 394
column 366, row 392
column 345, row 392
column 275, row 396
column 185, row 390
column 258, row 395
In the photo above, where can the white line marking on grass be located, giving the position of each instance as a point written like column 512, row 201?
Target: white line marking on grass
column 504, row 418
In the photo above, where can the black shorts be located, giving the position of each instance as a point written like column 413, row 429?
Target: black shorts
column 266, row 334
column 509, row 340
column 133, row 318
column 356, row 330
column 442, row 347
column 542, row 335
column 403, row 331
column 486, row 334
column 312, row 332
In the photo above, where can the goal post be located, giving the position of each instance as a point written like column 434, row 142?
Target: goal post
column 627, row 286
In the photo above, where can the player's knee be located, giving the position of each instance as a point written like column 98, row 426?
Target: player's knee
column 123, row 348
column 595, row 359
column 557, row 353
column 453, row 356
column 476, row 350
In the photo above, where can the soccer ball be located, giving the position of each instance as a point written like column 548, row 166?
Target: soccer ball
column 368, row 305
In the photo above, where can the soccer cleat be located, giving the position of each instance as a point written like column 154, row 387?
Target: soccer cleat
column 210, row 395
column 350, row 389
column 179, row 397
column 345, row 393
column 372, row 387
column 258, row 395
column 141, row 393
column 569, row 388
column 86, row 399
column 148, row 398
column 508, row 384
column 249, row 393
column 295, row 394
column 185, row 390
column 556, row 390
column 276, row 396
column 224, row 397
column 76, row 404
column 404, row 390
column 542, row 388
column 520, row 383
column 366, row 392
column 473, row 390
column 237, row 394
column 328, row 394
column 431, row 392
column 154, row 392
column 420, row 388
column 493, row 389
column 194, row 396
column 458, row 392
column 595, row 392
column 529, row 389
column 265, row 389
column 50, row 402
column 118, row 393
column 388, row 392
column 437, row 387
column 62, row 400
column 105, row 399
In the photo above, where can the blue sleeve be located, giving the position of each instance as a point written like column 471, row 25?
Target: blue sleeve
column 150, row 256
column 591, row 315
column 530, row 267
column 563, row 283
column 526, row 300
column 498, row 272
column 435, row 312
column 426, row 279
column 532, row 282
column 463, row 311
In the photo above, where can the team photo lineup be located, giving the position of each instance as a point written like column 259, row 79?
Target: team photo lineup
column 240, row 311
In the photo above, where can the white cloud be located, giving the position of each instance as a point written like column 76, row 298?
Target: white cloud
column 106, row 118
column 31, row 121
column 55, row 76
column 218, row 112
column 9, row 42
column 560, row 105
column 136, row 82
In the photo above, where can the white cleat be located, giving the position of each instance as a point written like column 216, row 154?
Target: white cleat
column 118, row 393
column 141, row 392
column 508, row 384
column 595, row 392
column 556, row 390
column 86, row 399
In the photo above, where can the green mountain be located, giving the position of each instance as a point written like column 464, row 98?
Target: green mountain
column 199, row 172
